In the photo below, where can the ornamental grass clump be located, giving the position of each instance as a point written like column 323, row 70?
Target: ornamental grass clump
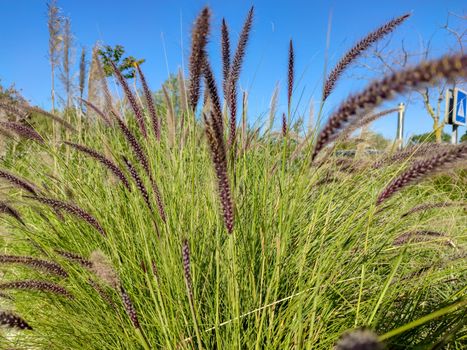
column 251, row 241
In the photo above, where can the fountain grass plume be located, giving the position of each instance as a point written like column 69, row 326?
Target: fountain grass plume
column 135, row 145
column 109, row 164
column 213, row 94
column 102, row 268
column 235, row 68
column 131, row 99
column 448, row 67
column 71, row 209
column 357, row 50
column 150, row 104
column 24, row 131
column 9, row 210
column 39, row 264
column 11, row 320
column 63, row 122
column 138, row 181
column 225, row 43
column 36, row 285
column 428, row 206
column 98, row 111
column 73, row 257
column 199, row 40
column 219, row 159
column 438, row 162
column 360, row 339
column 18, row 182
column 290, row 75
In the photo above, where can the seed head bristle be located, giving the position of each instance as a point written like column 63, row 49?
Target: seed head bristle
column 37, row 285
column 44, row 265
column 9, row 210
column 290, row 75
column 102, row 292
column 428, row 206
column 159, row 201
column 11, row 320
column 234, row 74
column 131, row 98
column 213, row 94
column 198, row 43
column 359, row 340
column 109, row 164
column 98, row 111
column 219, row 159
column 284, row 125
column 129, row 308
column 357, row 50
column 417, row 236
column 365, row 121
column 423, row 168
column 135, row 145
column 187, row 268
column 150, row 104
column 23, row 131
column 225, row 55
column 74, row 258
column 102, row 268
column 406, row 153
column 138, row 181
column 426, row 73
column 35, row 109
column 70, row 209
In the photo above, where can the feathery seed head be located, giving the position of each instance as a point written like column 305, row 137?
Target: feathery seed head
column 198, row 43
column 109, row 164
column 71, row 209
column 44, row 265
column 102, row 268
column 23, row 131
column 37, row 285
column 131, row 98
column 11, row 320
column 425, row 73
column 359, row 340
column 290, row 75
column 129, row 308
column 357, row 50
column 425, row 167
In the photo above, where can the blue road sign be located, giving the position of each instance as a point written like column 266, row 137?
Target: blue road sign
column 460, row 107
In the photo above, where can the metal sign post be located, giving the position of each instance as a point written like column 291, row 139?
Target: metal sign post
column 400, row 126
column 456, row 110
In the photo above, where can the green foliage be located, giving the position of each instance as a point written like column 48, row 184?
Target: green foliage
column 126, row 65
column 428, row 137
column 464, row 137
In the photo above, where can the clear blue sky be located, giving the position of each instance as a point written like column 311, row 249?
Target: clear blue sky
column 159, row 32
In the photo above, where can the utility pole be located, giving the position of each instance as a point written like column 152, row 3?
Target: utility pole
column 400, row 126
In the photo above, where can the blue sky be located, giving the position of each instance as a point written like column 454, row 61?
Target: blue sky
column 159, row 32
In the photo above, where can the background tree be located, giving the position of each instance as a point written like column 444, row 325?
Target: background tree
column 464, row 137
column 428, row 137
column 126, row 65
column 54, row 24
